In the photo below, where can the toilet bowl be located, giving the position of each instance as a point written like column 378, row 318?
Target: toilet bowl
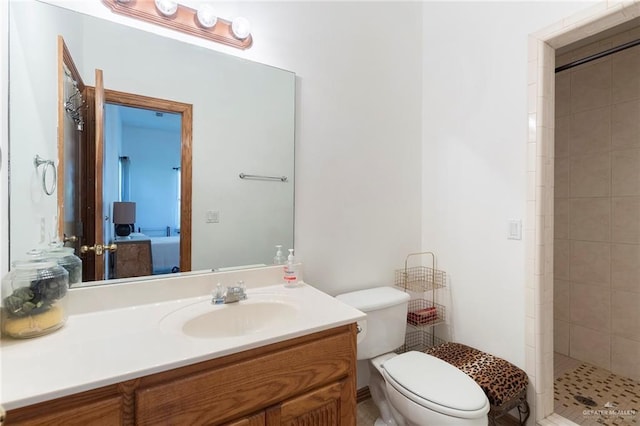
column 413, row 388
column 428, row 391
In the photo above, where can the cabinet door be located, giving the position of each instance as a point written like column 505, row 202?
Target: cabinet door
column 322, row 407
column 253, row 420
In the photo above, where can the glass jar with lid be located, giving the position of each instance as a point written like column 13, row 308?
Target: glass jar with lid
column 66, row 258
column 34, row 299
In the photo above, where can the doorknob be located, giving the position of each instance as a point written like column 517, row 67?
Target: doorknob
column 71, row 239
column 99, row 248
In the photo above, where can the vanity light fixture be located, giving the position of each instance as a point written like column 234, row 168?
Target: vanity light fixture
column 202, row 22
column 241, row 27
column 167, row 7
column 206, row 16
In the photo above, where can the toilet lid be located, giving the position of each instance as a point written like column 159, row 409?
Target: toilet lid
column 430, row 381
column 373, row 299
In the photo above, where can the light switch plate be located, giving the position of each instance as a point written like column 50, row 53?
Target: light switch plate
column 515, row 230
column 212, row 216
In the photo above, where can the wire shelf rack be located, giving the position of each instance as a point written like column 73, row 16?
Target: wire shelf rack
column 419, row 340
column 420, row 278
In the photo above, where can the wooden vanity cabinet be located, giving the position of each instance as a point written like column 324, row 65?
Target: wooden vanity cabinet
column 310, row 380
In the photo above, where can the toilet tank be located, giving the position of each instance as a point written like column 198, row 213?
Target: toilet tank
column 384, row 328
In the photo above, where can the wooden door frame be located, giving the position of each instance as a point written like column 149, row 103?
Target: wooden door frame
column 146, row 102
column 87, row 183
column 186, row 110
column 64, row 59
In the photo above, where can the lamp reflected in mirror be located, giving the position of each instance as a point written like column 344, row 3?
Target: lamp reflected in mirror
column 124, row 217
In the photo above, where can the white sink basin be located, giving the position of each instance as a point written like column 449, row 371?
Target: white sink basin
column 254, row 315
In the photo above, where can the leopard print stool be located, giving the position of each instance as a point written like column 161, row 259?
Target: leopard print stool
column 504, row 384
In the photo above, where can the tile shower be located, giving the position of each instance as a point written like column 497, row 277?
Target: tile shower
column 597, row 208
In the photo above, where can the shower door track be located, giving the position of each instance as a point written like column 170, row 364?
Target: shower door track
column 598, row 55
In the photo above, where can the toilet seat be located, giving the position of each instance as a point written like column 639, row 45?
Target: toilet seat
column 435, row 385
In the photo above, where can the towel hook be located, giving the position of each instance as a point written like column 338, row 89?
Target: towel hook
column 48, row 165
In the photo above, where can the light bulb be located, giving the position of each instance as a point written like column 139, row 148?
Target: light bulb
column 167, row 7
column 206, row 16
column 241, row 28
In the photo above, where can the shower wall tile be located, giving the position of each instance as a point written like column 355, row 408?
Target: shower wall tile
column 590, row 346
column 561, row 337
column 561, row 137
column 589, row 219
column 561, row 178
column 625, row 354
column 625, row 267
column 561, row 259
column 590, row 262
column 591, row 306
column 589, row 175
column 590, row 131
column 561, row 300
column 625, row 212
column 625, row 171
column 625, row 125
column 561, row 218
column 625, row 314
column 591, row 86
column 626, row 79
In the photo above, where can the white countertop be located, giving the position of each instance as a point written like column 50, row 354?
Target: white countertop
column 106, row 346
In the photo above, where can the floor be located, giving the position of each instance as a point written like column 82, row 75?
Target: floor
column 368, row 413
column 611, row 399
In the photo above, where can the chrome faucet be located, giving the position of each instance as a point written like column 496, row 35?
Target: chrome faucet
column 230, row 294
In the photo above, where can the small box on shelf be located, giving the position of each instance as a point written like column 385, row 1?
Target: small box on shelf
column 425, row 312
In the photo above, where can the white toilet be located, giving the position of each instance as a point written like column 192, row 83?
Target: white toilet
column 412, row 388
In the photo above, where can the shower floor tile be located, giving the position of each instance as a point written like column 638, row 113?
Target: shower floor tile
column 615, row 400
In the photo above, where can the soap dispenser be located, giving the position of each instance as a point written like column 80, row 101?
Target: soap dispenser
column 279, row 258
column 290, row 271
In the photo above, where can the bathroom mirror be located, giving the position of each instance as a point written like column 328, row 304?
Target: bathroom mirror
column 243, row 124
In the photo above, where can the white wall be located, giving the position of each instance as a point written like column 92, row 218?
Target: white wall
column 358, row 151
column 153, row 153
column 474, row 160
